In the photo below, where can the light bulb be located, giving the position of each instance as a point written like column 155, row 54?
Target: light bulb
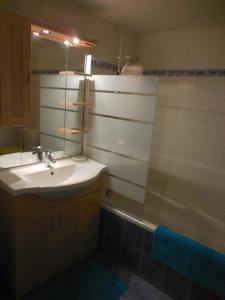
column 76, row 41
column 46, row 31
column 67, row 43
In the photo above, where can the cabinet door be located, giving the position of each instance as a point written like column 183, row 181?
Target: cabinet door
column 67, row 248
column 89, row 222
column 34, row 250
column 15, row 69
column 3, row 54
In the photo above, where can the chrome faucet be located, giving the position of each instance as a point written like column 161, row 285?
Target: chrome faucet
column 49, row 159
column 39, row 151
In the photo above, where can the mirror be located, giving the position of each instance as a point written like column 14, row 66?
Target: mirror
column 74, row 95
column 54, row 93
column 47, row 95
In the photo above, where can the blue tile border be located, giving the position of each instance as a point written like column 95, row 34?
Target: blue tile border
column 163, row 72
column 134, row 252
column 104, row 65
column 185, row 72
column 100, row 64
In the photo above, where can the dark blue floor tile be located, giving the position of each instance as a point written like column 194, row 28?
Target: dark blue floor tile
column 112, row 247
column 101, row 234
column 138, row 291
column 163, row 296
column 102, row 218
column 131, row 256
column 201, row 293
column 175, row 284
column 148, row 238
column 133, row 234
column 152, row 270
column 62, row 287
column 114, row 224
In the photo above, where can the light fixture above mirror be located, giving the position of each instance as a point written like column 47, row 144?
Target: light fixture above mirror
column 61, row 37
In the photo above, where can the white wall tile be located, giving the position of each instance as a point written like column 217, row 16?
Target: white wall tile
column 132, row 139
column 137, row 84
column 51, row 120
column 103, row 82
column 135, row 107
column 72, row 148
column 75, row 82
column 58, row 81
column 74, row 96
column 126, row 189
column 56, row 98
column 73, row 120
column 52, row 143
column 126, row 83
column 129, row 169
column 57, row 144
column 100, row 132
column 52, row 97
column 124, row 137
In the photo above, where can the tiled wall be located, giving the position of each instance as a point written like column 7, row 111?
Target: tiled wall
column 121, row 123
column 186, row 188
column 55, row 92
column 130, row 245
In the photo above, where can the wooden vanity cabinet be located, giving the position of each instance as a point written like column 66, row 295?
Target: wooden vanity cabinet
column 15, row 61
column 44, row 237
column 67, row 243
column 34, row 250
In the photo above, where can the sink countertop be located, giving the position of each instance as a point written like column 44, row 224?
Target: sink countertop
column 35, row 179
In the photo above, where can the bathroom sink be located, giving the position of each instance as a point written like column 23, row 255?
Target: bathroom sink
column 66, row 175
column 42, row 177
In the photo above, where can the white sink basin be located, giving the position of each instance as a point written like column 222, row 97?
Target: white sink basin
column 37, row 179
column 42, row 177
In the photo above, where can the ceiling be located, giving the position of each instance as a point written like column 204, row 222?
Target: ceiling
column 158, row 15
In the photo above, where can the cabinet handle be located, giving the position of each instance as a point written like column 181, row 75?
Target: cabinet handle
column 51, row 227
column 28, row 73
column 60, row 221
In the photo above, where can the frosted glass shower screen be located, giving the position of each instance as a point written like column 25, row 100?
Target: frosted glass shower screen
column 121, row 123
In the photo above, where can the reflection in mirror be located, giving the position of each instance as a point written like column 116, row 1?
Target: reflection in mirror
column 48, row 107
column 49, row 58
column 74, row 99
column 57, row 100
column 10, row 145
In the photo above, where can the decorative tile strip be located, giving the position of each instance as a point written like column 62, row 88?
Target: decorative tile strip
column 184, row 72
column 146, row 72
column 45, row 72
column 50, row 72
column 104, row 65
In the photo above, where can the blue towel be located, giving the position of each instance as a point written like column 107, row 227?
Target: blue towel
column 188, row 257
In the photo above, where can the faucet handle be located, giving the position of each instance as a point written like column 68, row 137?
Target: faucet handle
column 48, row 151
column 49, row 155
column 36, row 149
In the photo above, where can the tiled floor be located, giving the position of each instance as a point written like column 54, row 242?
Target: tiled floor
column 139, row 289
column 59, row 288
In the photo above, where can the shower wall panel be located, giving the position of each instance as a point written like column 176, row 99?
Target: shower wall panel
column 186, row 189
column 121, row 123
